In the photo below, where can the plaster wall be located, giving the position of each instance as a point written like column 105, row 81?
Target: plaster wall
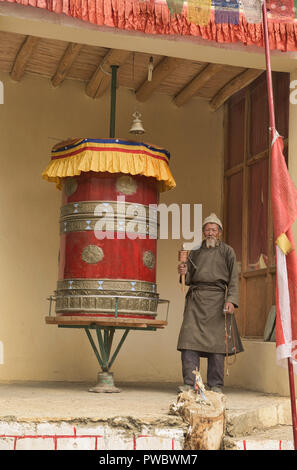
column 33, row 118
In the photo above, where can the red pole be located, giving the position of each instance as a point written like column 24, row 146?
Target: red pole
column 268, row 72
column 273, row 132
column 293, row 401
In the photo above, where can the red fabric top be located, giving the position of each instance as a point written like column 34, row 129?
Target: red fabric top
column 153, row 17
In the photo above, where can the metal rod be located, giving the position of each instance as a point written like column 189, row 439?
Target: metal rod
column 94, row 347
column 116, row 307
column 273, row 134
column 106, row 343
column 111, row 334
column 102, row 349
column 113, row 96
column 118, row 348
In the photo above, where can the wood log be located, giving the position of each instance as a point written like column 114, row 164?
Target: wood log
column 197, row 83
column 23, row 57
column 101, row 78
column 232, row 87
column 65, row 64
column 162, row 70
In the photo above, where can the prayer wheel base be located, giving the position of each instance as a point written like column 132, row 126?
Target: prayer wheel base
column 105, row 384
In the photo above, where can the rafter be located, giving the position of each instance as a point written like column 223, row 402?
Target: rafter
column 23, row 57
column 65, row 64
column 232, row 87
column 198, row 82
column 163, row 69
column 100, row 79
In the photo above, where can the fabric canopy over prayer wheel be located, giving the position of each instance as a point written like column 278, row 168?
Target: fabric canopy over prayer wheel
column 108, row 225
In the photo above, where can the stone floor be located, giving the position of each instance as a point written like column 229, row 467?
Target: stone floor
column 248, row 413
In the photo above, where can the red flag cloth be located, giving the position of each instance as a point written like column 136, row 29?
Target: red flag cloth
column 284, row 207
column 281, row 10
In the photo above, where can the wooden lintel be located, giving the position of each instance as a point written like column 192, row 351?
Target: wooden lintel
column 232, row 87
column 101, row 78
column 162, row 70
column 22, row 57
column 196, row 83
column 65, row 63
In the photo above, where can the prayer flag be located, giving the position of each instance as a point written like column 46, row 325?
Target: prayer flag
column 252, row 10
column 226, row 11
column 284, row 206
column 281, row 9
column 199, row 11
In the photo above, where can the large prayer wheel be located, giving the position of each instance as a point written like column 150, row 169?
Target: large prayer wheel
column 108, row 226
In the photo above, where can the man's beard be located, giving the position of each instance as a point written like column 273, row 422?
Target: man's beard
column 211, row 242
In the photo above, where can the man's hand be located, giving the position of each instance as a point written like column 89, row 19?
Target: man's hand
column 182, row 268
column 229, row 307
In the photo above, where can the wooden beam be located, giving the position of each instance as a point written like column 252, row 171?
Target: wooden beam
column 101, row 78
column 65, row 64
column 104, row 321
column 232, row 87
column 198, row 82
column 23, row 57
column 162, row 70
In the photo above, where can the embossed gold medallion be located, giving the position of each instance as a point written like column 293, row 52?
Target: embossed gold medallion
column 92, row 254
column 126, row 184
column 70, row 186
column 149, row 259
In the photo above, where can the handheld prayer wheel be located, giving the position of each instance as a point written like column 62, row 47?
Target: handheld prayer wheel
column 183, row 257
column 108, row 226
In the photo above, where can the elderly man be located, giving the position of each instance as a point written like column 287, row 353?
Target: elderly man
column 211, row 273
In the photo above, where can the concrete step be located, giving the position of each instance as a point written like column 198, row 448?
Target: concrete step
column 248, row 412
column 257, row 421
column 275, row 438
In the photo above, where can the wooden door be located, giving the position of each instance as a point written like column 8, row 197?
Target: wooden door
column 247, row 200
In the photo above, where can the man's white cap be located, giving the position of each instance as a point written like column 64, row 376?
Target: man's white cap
column 212, row 219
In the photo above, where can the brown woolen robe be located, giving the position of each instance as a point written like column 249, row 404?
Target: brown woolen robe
column 213, row 279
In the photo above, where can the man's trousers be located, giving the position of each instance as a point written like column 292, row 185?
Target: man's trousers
column 215, row 367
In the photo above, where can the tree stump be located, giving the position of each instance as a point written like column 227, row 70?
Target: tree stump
column 205, row 419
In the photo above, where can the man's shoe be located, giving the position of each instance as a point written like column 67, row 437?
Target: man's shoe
column 216, row 389
column 184, row 388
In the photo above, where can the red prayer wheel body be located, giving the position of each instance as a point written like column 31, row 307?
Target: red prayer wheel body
column 108, row 225
column 108, row 235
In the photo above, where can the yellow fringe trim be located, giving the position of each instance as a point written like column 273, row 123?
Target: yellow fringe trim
column 284, row 243
column 111, row 162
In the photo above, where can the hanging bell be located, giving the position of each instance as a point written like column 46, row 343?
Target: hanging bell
column 137, row 127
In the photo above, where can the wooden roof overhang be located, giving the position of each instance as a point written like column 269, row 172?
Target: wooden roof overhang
column 181, row 79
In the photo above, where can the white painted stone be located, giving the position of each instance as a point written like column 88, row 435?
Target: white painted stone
column 167, row 432
column 287, row 445
column 178, row 444
column 38, row 443
column 49, row 429
column 262, row 444
column 116, row 443
column 6, row 443
column 76, row 443
column 153, row 443
column 91, row 430
column 13, row 428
